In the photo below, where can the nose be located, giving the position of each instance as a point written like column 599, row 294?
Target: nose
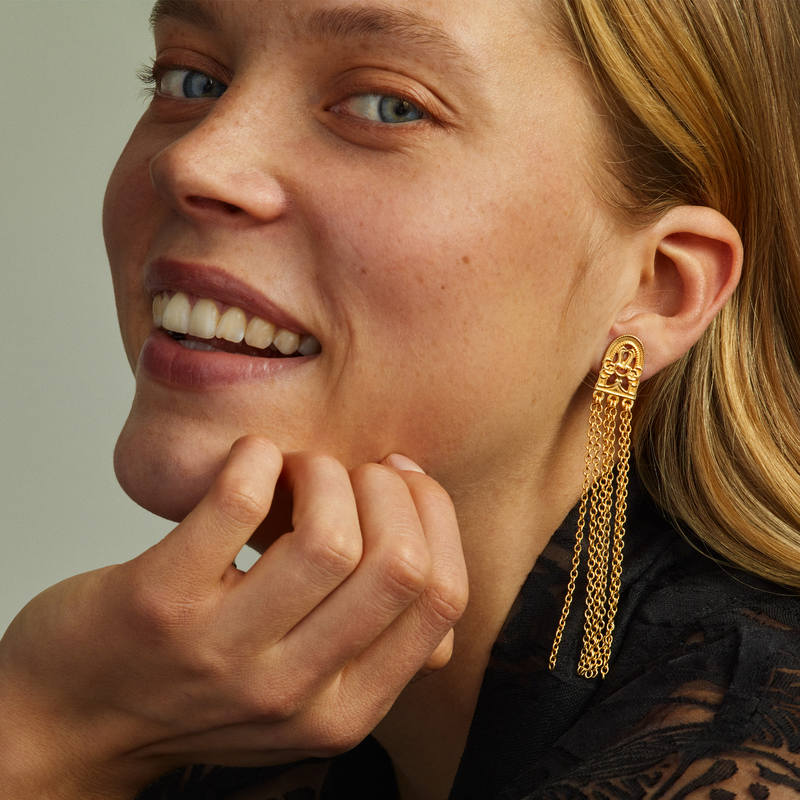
column 221, row 173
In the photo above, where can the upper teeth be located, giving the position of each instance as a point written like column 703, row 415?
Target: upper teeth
column 203, row 320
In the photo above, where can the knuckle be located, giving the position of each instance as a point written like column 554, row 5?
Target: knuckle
column 339, row 741
column 158, row 614
column 445, row 601
column 342, row 732
column 281, row 707
column 274, row 701
column 350, row 711
column 333, row 554
column 149, row 600
column 150, row 606
column 405, row 571
column 243, row 502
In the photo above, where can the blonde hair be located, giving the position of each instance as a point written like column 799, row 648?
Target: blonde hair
column 702, row 104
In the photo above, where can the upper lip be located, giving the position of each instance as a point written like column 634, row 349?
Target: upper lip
column 203, row 280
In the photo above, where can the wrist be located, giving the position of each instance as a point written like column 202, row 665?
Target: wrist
column 44, row 755
column 58, row 740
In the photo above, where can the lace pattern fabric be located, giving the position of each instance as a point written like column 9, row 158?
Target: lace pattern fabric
column 702, row 698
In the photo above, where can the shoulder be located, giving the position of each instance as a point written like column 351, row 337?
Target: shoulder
column 703, row 693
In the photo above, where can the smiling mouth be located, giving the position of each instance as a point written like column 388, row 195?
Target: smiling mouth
column 202, row 325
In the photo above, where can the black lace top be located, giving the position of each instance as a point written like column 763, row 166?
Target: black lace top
column 702, row 697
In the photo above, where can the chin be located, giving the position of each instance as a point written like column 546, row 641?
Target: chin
column 168, row 473
column 164, row 471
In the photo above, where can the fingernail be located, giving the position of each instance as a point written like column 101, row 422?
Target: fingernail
column 402, row 462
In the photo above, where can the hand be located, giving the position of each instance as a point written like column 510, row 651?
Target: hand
column 112, row 678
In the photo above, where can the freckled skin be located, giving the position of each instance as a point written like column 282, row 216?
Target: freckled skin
column 441, row 293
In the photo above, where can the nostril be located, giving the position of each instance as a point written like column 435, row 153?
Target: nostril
column 208, row 203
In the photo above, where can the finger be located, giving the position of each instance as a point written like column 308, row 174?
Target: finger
column 438, row 518
column 422, row 632
column 394, row 569
column 437, row 659
column 201, row 549
column 304, row 566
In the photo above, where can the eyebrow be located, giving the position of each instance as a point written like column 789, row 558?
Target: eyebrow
column 378, row 22
column 360, row 22
column 185, row 11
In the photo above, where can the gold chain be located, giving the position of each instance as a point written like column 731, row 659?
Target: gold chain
column 590, row 474
column 619, row 527
column 597, row 582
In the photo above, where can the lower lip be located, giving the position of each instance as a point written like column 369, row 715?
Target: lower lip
column 168, row 362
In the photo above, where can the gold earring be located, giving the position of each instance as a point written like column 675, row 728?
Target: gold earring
column 616, row 386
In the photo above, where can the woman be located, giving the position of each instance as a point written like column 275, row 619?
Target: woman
column 362, row 231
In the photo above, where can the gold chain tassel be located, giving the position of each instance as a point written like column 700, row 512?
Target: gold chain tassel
column 615, row 389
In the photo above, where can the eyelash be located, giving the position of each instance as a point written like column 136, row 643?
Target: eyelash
column 150, row 75
column 146, row 74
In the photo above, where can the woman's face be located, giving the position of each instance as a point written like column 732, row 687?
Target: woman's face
column 408, row 184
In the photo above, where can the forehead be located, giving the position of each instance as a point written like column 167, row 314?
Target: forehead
column 456, row 30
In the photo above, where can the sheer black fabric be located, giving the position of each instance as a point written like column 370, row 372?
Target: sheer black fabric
column 702, row 698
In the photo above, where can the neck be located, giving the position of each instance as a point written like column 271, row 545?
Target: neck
column 426, row 730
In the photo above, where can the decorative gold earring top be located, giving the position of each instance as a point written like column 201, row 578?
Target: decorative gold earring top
column 622, row 367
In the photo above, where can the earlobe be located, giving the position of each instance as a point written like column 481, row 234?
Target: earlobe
column 690, row 262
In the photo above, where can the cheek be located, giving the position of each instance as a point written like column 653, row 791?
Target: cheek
column 463, row 302
column 470, row 270
column 127, row 210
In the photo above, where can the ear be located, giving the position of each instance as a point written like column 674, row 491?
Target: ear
column 690, row 262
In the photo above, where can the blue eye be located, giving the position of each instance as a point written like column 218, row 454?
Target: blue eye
column 395, row 109
column 381, row 108
column 190, row 84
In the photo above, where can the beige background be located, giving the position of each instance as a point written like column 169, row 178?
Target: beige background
column 70, row 98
